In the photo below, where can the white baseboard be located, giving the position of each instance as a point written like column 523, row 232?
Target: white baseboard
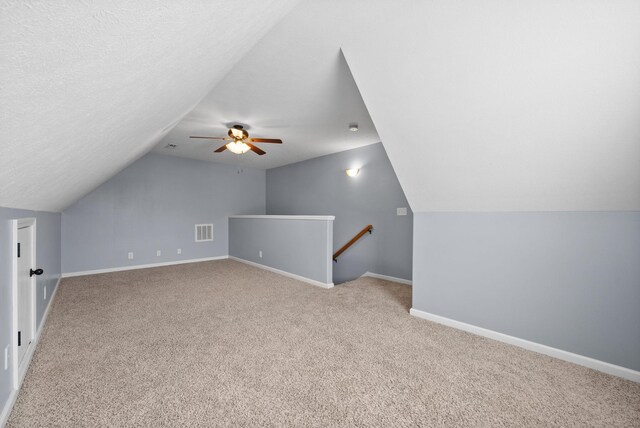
column 388, row 278
column 284, row 273
column 8, row 406
column 150, row 265
column 602, row 366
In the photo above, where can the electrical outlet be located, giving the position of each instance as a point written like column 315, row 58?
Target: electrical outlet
column 179, row 250
column 130, row 256
column 402, row 211
column 6, row 357
column 158, row 253
column 260, row 253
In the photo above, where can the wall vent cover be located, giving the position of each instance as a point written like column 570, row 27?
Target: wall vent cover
column 204, row 232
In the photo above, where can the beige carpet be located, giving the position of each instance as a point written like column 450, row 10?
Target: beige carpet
column 224, row 344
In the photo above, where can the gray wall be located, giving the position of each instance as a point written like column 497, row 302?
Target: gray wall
column 301, row 247
column 320, row 187
column 47, row 258
column 570, row 280
column 153, row 205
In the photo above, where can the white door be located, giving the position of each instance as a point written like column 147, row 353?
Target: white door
column 25, row 291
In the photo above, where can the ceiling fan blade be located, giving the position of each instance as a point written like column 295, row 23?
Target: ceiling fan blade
column 256, row 149
column 266, row 140
column 210, row 138
column 220, row 149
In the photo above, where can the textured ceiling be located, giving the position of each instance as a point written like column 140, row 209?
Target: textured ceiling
column 491, row 106
column 88, row 87
column 509, row 106
column 294, row 85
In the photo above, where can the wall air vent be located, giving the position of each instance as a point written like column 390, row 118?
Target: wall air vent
column 204, row 232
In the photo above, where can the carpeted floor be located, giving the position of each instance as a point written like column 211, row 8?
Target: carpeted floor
column 224, row 344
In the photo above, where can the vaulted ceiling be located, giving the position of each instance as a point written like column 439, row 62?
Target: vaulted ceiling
column 506, row 106
column 490, row 106
column 88, row 87
column 294, row 85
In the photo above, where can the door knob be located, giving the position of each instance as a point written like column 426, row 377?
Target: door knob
column 35, row 272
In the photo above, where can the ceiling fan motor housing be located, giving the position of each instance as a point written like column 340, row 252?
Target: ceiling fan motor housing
column 237, row 132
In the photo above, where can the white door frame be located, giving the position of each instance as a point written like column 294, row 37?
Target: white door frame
column 19, row 372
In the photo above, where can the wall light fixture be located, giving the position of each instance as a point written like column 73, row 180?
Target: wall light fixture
column 353, row 172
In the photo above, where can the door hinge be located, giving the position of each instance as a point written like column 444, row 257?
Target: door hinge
column 19, row 338
column 18, row 249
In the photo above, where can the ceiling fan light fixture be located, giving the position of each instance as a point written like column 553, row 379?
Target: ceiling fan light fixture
column 238, row 147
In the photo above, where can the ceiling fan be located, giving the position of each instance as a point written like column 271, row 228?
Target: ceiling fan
column 239, row 141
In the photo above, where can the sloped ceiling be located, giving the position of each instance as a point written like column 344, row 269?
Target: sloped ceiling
column 294, row 85
column 88, row 87
column 481, row 106
column 505, row 106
